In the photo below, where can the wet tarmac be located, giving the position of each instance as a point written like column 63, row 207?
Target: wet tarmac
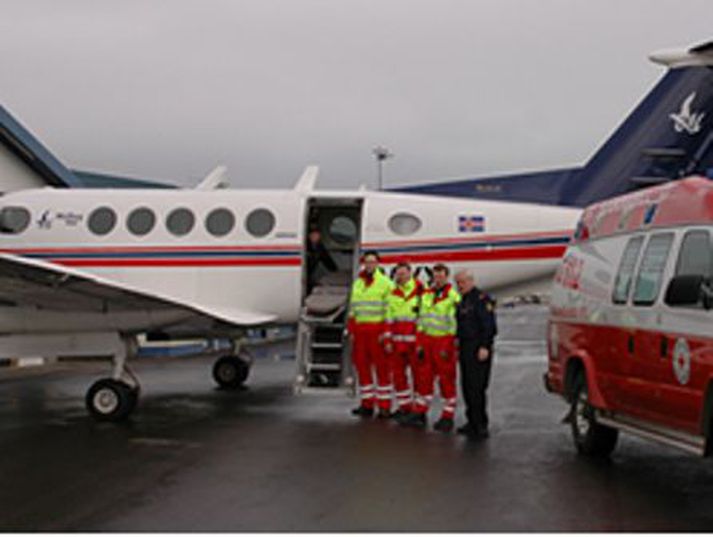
column 197, row 458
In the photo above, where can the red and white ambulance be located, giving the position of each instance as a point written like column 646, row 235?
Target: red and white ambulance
column 631, row 327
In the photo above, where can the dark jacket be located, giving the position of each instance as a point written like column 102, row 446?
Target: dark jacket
column 318, row 254
column 476, row 318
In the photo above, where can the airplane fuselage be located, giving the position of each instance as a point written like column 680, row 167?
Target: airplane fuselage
column 226, row 250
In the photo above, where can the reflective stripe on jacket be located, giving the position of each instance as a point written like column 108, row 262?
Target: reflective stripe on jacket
column 438, row 312
column 368, row 299
column 402, row 307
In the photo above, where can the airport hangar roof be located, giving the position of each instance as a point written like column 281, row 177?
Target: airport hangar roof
column 30, row 150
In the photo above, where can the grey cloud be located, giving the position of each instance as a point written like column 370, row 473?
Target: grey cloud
column 167, row 90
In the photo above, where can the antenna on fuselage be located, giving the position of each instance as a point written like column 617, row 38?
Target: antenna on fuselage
column 308, row 179
column 215, row 180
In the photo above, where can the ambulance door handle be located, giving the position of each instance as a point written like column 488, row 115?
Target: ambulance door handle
column 631, row 344
column 664, row 347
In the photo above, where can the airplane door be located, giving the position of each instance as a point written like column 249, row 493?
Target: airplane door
column 331, row 258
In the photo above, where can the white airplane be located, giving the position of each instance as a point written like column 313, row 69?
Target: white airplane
column 84, row 271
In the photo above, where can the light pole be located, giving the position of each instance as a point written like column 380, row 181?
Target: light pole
column 381, row 153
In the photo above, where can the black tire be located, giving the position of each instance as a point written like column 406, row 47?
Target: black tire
column 590, row 438
column 111, row 400
column 231, row 372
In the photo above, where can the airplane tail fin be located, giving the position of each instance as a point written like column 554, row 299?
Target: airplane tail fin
column 669, row 135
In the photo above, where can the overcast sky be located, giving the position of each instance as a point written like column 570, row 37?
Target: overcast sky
column 167, row 90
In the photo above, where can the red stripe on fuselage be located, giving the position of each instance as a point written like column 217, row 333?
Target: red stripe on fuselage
column 500, row 254
column 467, row 239
column 262, row 262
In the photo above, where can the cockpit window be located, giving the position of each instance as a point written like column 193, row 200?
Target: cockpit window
column 101, row 221
column 404, row 223
column 695, row 256
column 180, row 221
column 14, row 219
column 220, row 222
column 141, row 221
column 260, row 222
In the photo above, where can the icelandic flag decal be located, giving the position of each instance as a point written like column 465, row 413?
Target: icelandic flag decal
column 471, row 224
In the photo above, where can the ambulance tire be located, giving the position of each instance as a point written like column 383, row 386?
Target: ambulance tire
column 591, row 439
column 231, row 372
column 111, row 400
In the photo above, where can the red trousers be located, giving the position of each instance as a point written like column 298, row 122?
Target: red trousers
column 403, row 358
column 369, row 361
column 437, row 363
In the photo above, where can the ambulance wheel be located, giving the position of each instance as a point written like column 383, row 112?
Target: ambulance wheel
column 590, row 438
column 231, row 372
column 111, row 400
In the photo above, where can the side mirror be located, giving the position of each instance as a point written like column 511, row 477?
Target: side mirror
column 685, row 290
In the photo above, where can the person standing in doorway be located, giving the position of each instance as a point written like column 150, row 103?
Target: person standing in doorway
column 318, row 258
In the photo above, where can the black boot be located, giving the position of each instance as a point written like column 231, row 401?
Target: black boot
column 482, row 432
column 363, row 411
column 444, row 425
column 400, row 415
column 416, row 420
column 466, row 430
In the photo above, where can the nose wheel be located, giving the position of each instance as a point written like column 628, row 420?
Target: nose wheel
column 111, row 400
column 231, row 372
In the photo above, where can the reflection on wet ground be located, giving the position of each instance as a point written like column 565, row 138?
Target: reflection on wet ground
column 197, row 458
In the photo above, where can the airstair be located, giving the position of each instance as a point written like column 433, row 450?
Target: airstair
column 323, row 357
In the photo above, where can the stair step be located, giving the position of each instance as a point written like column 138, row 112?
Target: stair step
column 326, row 345
column 323, row 367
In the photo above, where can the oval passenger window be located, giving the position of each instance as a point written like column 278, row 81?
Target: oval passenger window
column 220, row 222
column 343, row 230
column 404, row 223
column 101, row 221
column 180, row 222
column 141, row 221
column 260, row 222
column 14, row 219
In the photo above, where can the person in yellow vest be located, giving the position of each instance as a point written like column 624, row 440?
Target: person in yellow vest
column 367, row 313
column 437, row 351
column 402, row 306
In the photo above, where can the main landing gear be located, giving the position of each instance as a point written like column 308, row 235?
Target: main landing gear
column 115, row 398
column 231, row 371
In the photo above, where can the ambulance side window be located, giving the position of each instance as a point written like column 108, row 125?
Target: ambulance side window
column 622, row 284
column 653, row 263
column 695, row 256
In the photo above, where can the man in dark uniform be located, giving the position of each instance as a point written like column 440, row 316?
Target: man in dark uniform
column 476, row 331
column 317, row 256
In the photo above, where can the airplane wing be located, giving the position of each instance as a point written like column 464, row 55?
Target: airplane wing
column 31, row 282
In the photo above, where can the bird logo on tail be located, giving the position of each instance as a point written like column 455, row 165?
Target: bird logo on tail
column 685, row 120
